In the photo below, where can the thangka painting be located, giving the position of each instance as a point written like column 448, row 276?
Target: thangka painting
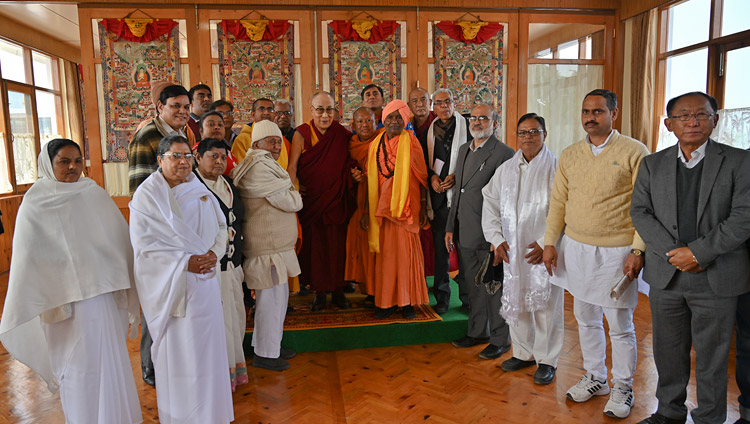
column 134, row 52
column 469, row 62
column 256, row 60
column 363, row 53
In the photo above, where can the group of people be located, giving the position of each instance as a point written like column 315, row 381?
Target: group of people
column 277, row 207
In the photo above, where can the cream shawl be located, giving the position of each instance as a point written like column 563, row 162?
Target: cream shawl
column 71, row 243
column 459, row 139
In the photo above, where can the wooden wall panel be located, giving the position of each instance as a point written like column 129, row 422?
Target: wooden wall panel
column 9, row 206
column 373, row 4
column 33, row 38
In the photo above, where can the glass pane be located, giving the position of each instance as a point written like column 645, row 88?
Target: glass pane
column 22, row 128
column 688, row 23
column 296, row 40
column 685, row 73
column 732, row 19
column 566, row 41
column 43, row 71
column 556, row 92
column 212, row 25
column 11, row 62
column 48, row 111
column 736, row 88
column 403, row 38
column 5, row 185
column 95, row 33
column 183, row 38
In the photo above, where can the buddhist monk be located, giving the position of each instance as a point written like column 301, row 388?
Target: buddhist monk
column 320, row 160
column 360, row 262
column 397, row 197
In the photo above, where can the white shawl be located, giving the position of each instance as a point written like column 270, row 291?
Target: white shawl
column 71, row 243
column 522, row 220
column 163, row 243
column 459, row 139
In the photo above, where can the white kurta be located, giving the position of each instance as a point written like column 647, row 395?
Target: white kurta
column 183, row 309
column 69, row 287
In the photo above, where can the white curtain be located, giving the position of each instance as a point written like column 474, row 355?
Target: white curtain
column 556, row 93
column 733, row 129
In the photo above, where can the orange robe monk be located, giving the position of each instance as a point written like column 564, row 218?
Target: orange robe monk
column 360, row 262
column 397, row 182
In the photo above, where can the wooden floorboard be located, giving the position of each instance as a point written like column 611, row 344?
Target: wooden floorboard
column 434, row 383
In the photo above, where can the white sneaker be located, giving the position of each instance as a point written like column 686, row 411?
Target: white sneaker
column 586, row 388
column 620, row 401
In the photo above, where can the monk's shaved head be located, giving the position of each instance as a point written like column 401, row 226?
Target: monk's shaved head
column 322, row 93
column 363, row 122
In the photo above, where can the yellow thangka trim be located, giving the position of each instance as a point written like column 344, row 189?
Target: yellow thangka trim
column 471, row 29
column 255, row 28
column 364, row 27
column 400, row 190
column 138, row 26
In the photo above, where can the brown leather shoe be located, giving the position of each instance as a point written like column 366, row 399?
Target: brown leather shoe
column 319, row 301
column 339, row 299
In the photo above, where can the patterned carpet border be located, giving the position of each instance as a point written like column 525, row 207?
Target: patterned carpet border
column 333, row 317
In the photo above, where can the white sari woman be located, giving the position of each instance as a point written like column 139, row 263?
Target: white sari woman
column 178, row 233
column 70, row 291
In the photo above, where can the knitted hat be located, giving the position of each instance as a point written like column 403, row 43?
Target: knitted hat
column 265, row 129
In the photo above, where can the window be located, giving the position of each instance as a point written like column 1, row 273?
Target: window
column 31, row 115
column 696, row 56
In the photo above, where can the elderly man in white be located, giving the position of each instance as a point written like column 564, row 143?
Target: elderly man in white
column 515, row 207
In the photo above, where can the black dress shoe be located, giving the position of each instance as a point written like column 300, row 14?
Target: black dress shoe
column 385, row 313
column 469, row 341
column 544, row 374
column 339, row 299
column 441, row 308
column 408, row 312
column 148, row 377
column 319, row 302
column 369, row 301
column 273, row 364
column 658, row 418
column 742, row 421
column 287, row 353
column 515, row 364
column 493, row 351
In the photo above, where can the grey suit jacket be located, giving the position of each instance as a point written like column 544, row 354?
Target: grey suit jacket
column 723, row 217
column 467, row 200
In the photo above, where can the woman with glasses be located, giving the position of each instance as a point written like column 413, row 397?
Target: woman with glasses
column 211, row 158
column 70, row 291
column 179, row 233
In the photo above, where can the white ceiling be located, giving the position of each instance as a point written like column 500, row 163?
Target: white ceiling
column 54, row 19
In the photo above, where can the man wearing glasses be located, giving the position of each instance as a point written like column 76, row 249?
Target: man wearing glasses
column 226, row 109
column 446, row 134
column 591, row 202
column 262, row 111
column 320, row 160
column 691, row 204
column 476, row 164
column 284, row 117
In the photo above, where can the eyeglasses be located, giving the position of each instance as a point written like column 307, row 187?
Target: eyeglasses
column 225, row 114
column 532, row 133
column 446, row 102
column 701, row 116
column 214, row 156
column 284, row 112
column 482, row 119
column 272, row 141
column 264, row 109
column 329, row 110
column 179, row 156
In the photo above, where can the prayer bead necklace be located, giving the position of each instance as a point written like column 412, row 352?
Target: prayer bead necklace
column 381, row 147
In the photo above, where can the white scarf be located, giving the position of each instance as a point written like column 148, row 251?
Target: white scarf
column 272, row 179
column 525, row 287
column 459, row 139
column 71, row 243
column 163, row 243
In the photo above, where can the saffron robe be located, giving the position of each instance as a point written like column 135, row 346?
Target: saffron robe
column 360, row 262
column 399, row 273
column 323, row 171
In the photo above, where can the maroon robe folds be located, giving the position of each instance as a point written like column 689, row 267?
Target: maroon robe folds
column 324, row 172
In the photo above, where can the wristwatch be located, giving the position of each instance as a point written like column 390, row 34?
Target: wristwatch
column 637, row 252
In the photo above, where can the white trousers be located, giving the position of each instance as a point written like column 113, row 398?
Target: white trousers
column 233, row 307
column 270, row 312
column 539, row 334
column 594, row 344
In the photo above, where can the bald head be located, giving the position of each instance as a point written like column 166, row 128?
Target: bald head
column 363, row 122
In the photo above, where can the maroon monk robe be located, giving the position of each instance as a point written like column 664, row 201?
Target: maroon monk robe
column 425, row 235
column 324, row 172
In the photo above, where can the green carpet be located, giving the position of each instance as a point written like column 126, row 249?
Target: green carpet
column 452, row 326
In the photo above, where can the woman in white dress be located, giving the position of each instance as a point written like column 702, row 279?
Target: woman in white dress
column 179, row 233
column 70, row 293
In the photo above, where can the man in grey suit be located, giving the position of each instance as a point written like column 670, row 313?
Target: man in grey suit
column 691, row 205
column 475, row 166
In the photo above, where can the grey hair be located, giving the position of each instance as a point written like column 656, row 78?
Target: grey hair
column 286, row 102
column 442, row 90
column 495, row 116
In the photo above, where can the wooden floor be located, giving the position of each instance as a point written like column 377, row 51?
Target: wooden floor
column 434, row 383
